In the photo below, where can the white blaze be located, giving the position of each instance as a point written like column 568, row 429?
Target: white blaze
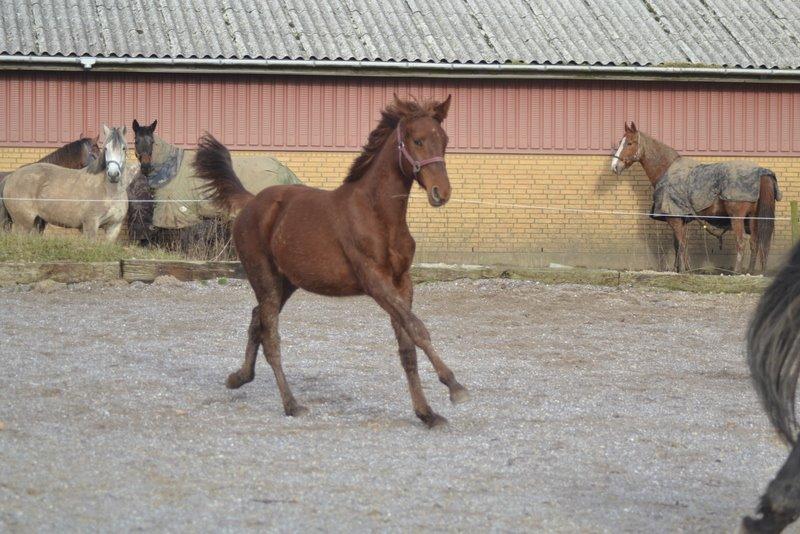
column 615, row 158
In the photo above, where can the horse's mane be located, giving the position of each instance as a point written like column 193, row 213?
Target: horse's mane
column 391, row 116
column 67, row 153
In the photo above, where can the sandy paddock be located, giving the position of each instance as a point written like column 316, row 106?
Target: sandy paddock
column 593, row 409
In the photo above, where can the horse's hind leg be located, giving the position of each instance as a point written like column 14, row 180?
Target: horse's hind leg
column 270, row 303
column 247, row 372
column 753, row 245
column 780, row 504
column 738, row 230
column 679, row 239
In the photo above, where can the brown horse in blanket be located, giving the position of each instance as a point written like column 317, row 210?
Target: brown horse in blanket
column 353, row 240
column 736, row 194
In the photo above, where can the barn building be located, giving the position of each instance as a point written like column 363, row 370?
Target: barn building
column 540, row 91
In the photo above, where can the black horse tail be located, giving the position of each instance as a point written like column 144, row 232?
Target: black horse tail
column 773, row 347
column 5, row 217
column 213, row 164
column 765, row 211
column 773, row 353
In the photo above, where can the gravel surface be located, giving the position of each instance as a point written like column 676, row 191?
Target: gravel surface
column 593, row 409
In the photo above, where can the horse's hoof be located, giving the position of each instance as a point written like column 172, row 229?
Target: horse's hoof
column 459, row 395
column 432, row 420
column 295, row 411
column 235, row 380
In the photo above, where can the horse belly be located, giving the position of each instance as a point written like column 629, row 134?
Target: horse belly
column 308, row 253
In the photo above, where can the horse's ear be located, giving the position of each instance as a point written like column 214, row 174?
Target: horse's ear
column 124, row 130
column 152, row 127
column 106, row 131
column 440, row 110
column 136, row 125
column 627, row 128
column 633, row 127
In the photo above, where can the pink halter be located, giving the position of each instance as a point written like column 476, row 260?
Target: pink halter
column 416, row 165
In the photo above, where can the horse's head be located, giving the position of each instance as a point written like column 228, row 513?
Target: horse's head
column 114, row 150
column 144, row 140
column 422, row 143
column 629, row 150
column 90, row 150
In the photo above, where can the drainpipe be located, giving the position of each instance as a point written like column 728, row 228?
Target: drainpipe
column 396, row 68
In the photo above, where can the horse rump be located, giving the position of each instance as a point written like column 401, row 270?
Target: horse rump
column 765, row 211
column 5, row 217
column 213, row 164
column 773, row 354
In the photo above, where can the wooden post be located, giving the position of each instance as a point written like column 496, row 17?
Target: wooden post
column 795, row 222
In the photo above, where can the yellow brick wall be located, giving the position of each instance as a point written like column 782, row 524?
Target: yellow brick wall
column 517, row 232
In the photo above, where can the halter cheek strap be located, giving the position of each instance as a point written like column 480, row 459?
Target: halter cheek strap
column 638, row 155
column 402, row 152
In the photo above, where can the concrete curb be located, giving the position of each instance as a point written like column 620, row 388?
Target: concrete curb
column 149, row 270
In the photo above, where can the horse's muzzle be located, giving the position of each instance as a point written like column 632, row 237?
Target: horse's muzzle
column 436, row 198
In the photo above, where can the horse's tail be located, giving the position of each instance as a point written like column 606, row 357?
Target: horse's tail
column 5, row 217
column 765, row 211
column 213, row 164
column 773, row 347
column 773, row 352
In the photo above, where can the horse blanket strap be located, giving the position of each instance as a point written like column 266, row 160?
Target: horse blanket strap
column 416, row 165
column 167, row 160
column 689, row 187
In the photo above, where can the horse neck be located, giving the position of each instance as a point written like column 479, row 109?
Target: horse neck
column 384, row 183
column 68, row 156
column 656, row 158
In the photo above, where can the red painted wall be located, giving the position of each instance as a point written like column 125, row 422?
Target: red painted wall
column 314, row 113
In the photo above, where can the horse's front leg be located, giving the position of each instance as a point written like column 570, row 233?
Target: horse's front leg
column 90, row 227
column 679, row 239
column 112, row 231
column 378, row 284
column 408, row 358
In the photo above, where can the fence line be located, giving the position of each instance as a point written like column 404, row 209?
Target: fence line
column 562, row 209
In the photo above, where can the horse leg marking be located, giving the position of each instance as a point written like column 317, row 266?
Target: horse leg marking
column 247, row 372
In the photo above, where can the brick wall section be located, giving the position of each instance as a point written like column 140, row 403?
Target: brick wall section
column 486, row 233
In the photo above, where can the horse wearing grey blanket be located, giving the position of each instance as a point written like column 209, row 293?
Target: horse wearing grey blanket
column 734, row 194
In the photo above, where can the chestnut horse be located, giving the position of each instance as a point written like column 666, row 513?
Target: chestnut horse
column 719, row 209
column 353, row 240
column 773, row 353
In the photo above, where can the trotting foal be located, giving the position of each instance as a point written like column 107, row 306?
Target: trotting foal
column 350, row 241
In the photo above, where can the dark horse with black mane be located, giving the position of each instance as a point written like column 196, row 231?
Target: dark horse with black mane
column 74, row 155
column 353, row 240
column 773, row 352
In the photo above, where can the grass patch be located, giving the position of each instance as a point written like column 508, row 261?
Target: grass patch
column 38, row 248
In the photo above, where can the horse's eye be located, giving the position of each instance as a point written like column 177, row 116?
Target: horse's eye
column 418, row 142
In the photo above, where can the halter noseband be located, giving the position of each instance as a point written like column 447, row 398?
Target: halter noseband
column 402, row 152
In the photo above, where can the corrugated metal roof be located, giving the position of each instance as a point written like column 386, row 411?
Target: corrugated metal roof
column 730, row 33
